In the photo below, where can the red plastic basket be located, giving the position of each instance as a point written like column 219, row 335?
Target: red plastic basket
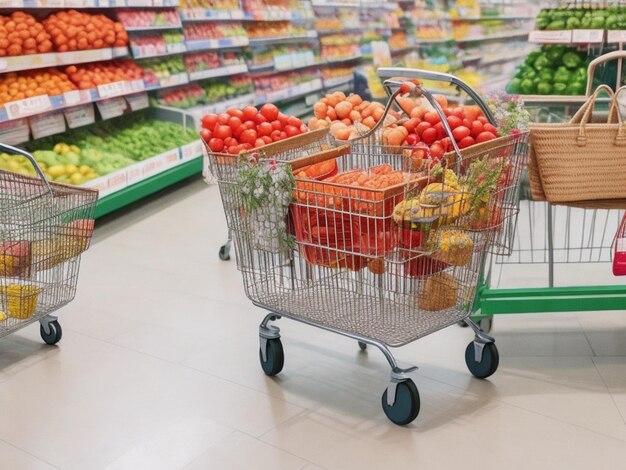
column 619, row 259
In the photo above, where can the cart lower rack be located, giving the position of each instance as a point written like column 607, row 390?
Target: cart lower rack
column 380, row 252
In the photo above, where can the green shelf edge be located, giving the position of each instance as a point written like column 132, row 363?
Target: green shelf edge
column 149, row 186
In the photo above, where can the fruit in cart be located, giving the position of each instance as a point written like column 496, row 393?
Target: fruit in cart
column 72, row 30
column 440, row 292
column 238, row 130
column 21, row 300
column 22, row 34
column 15, row 258
column 3, row 316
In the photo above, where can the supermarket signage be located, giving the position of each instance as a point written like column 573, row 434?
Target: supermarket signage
column 14, row 132
column 79, row 116
column 616, row 36
column 191, row 151
column 76, row 97
column 138, row 101
column 44, row 125
column 12, row 3
column 588, row 36
column 28, row 106
column 109, row 90
column 112, row 107
column 176, row 79
column 550, row 37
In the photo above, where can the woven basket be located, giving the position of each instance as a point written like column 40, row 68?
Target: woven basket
column 579, row 161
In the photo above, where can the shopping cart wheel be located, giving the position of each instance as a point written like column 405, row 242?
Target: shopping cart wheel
column 362, row 346
column 406, row 406
column 225, row 251
column 55, row 334
column 274, row 357
column 486, row 324
column 488, row 363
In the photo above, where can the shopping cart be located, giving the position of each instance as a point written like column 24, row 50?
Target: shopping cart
column 552, row 240
column 44, row 228
column 381, row 265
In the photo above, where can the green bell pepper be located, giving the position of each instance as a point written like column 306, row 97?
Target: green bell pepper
column 571, row 60
column 527, row 87
column 544, row 88
column 514, row 86
column 559, row 88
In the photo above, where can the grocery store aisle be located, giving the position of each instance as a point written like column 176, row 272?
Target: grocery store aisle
column 158, row 369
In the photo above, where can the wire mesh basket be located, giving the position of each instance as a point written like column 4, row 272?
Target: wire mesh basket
column 44, row 228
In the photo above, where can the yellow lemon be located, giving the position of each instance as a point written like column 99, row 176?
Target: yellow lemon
column 56, row 171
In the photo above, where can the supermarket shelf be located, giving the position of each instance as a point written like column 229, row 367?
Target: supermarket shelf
column 173, row 80
column 218, row 72
column 204, row 44
column 554, row 100
column 201, row 15
column 283, row 39
column 497, row 60
column 400, row 50
column 54, row 59
column 494, row 37
column 433, row 41
column 131, row 193
column 150, row 53
column 494, row 18
column 100, row 4
column 342, row 59
column 216, row 108
column 336, row 82
column 131, row 29
column 268, row 70
column 290, row 93
column 576, row 36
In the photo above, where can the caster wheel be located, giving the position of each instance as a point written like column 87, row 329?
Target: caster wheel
column 362, row 346
column 274, row 357
column 225, row 252
column 406, row 406
column 462, row 324
column 489, row 363
column 55, row 335
column 486, row 324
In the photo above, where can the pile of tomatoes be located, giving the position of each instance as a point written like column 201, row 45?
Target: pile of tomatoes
column 238, row 130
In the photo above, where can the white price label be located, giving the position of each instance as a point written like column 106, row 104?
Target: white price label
column 28, row 106
column 158, row 3
column 134, row 173
column 100, row 184
column 550, row 37
column 116, row 181
column 172, row 80
column 79, row 116
column 14, row 132
column 191, row 151
column 109, row 90
column 74, row 97
column 12, row 3
column 74, row 3
column 176, row 48
column 111, row 108
column 138, row 101
column 616, row 36
column 588, row 36
column 135, row 86
column 118, row 3
column 153, row 166
column 44, row 125
column 171, row 158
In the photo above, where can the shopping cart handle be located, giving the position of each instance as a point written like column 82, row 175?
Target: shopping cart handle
column 16, row 151
column 401, row 72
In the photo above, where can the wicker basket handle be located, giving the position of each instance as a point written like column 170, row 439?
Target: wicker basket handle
column 590, row 103
column 620, row 139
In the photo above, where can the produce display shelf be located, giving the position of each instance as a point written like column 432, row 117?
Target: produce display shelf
column 205, row 44
column 577, row 36
column 53, row 4
column 290, row 93
column 216, row 108
column 45, row 103
column 433, row 41
column 201, row 15
column 495, row 37
column 150, row 53
column 218, row 72
column 173, row 80
column 343, row 59
column 272, row 69
column 472, row 58
column 283, row 39
column 556, row 100
column 148, row 186
column 160, row 27
column 54, row 59
column 400, row 50
column 351, row 29
column 494, row 18
column 338, row 81
column 496, row 60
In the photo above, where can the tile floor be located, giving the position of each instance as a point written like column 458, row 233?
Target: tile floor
column 158, row 369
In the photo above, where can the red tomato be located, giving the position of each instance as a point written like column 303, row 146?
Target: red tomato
column 491, row 128
column 234, row 122
column 412, row 139
column 283, row 118
column 241, row 148
column 421, row 127
column 460, row 133
column 283, row 135
column 291, row 130
column 294, row 121
column 411, row 124
column 429, row 136
column 223, row 131
column 446, row 111
column 235, row 112
column 265, row 128
column 483, row 119
column 232, row 149
column 245, row 146
column 248, row 136
column 437, row 150
column 239, row 130
column 250, row 125
column 259, row 143
column 209, row 121
column 249, row 113
column 432, row 118
column 458, row 112
column 441, row 131
column 216, row 145
column 275, row 135
column 277, row 125
column 230, row 141
column 477, row 128
column 223, row 118
column 303, row 129
column 267, row 139
column 454, row 122
column 205, row 134
column 467, row 123
column 485, row 136
column 472, row 112
column 466, row 142
column 259, row 118
column 446, row 144
column 269, row 111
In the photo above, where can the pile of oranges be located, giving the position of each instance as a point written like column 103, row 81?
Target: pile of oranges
column 91, row 75
column 51, row 82
column 72, row 30
column 22, row 34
